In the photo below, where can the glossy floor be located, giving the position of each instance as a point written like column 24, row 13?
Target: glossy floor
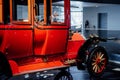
column 110, row 74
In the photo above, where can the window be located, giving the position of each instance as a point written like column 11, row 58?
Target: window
column 57, row 13
column 20, row 10
column 40, row 18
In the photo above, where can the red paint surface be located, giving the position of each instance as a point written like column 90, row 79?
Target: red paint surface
column 30, row 48
column 54, row 42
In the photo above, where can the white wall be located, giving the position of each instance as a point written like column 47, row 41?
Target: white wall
column 113, row 11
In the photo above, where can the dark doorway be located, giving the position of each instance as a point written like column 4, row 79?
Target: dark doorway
column 102, row 24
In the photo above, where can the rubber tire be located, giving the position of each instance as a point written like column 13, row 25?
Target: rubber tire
column 5, row 71
column 62, row 74
column 89, row 62
column 2, row 74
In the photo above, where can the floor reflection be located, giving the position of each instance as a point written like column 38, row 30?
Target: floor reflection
column 77, row 75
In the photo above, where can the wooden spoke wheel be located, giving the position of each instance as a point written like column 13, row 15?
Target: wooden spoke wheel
column 97, row 61
column 63, row 75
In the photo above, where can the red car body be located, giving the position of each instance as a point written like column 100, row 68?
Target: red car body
column 28, row 48
column 24, row 47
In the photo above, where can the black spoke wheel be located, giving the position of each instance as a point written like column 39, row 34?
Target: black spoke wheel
column 97, row 61
column 63, row 75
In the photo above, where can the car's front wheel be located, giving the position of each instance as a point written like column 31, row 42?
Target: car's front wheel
column 97, row 61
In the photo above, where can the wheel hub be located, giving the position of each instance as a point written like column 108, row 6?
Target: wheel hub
column 98, row 61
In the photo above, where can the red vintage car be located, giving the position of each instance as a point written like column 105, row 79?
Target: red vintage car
column 34, row 36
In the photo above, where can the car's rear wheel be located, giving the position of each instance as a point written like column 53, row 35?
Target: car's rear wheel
column 5, row 70
column 63, row 75
column 2, row 74
column 97, row 61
